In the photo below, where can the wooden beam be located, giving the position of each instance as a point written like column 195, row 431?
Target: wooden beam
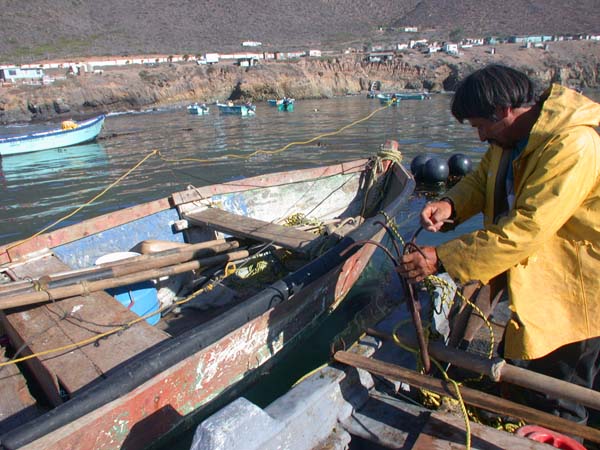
column 470, row 396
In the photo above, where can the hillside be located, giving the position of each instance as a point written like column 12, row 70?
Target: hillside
column 49, row 29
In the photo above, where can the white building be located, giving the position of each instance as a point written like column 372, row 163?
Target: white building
column 13, row 73
column 451, row 49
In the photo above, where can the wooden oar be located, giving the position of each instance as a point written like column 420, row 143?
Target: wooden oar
column 499, row 370
column 83, row 288
column 470, row 396
column 124, row 266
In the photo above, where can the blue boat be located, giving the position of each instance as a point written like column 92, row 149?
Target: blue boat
column 240, row 110
column 70, row 133
column 287, row 104
column 397, row 96
column 388, row 99
column 412, row 95
column 284, row 104
column 198, row 109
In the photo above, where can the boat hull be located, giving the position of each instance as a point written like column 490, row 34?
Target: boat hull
column 150, row 397
column 289, row 107
column 198, row 110
column 238, row 110
column 86, row 131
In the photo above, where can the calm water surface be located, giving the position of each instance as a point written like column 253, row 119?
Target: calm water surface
column 40, row 188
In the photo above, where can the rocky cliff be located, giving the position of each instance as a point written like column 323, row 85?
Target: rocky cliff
column 136, row 87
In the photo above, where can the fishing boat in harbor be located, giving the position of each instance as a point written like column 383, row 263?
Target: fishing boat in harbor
column 70, row 133
column 396, row 97
column 240, row 110
column 412, row 95
column 284, row 104
column 130, row 323
column 198, row 109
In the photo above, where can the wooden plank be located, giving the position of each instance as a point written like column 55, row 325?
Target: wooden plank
column 48, row 326
column 470, row 396
column 16, row 403
column 447, row 431
column 237, row 225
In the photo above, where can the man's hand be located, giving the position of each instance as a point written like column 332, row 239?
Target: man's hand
column 415, row 267
column 434, row 214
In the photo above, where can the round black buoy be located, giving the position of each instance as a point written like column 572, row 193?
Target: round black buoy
column 435, row 171
column 459, row 165
column 417, row 165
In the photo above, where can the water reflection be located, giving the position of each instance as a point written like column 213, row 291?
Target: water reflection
column 34, row 166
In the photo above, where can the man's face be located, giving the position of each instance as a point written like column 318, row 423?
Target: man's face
column 494, row 131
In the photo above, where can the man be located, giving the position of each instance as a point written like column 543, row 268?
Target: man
column 538, row 186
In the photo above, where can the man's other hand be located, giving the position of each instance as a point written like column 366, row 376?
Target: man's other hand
column 415, row 267
column 434, row 214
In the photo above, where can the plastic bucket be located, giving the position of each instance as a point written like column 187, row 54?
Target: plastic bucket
column 141, row 298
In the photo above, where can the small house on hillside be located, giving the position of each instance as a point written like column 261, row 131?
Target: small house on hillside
column 375, row 57
column 13, row 73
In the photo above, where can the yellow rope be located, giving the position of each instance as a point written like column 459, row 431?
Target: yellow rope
column 282, row 149
column 71, row 214
column 230, row 269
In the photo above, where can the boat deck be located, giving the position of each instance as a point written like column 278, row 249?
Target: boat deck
column 70, row 321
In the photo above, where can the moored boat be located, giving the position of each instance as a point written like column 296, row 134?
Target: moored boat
column 240, row 110
column 70, row 133
column 395, row 97
column 198, row 109
column 287, row 104
column 283, row 104
column 412, row 95
column 244, row 288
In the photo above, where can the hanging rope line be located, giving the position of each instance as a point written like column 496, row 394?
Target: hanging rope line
column 285, row 147
column 89, row 202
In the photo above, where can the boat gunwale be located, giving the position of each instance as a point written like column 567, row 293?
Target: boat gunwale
column 14, row 252
column 80, row 126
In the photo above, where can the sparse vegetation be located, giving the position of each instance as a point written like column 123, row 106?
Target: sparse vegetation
column 49, row 29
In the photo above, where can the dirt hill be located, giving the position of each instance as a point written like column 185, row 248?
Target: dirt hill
column 61, row 28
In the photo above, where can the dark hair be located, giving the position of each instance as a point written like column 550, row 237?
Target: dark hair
column 494, row 86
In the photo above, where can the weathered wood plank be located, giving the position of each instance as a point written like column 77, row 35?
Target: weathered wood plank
column 248, row 227
column 446, row 431
column 72, row 320
column 16, row 403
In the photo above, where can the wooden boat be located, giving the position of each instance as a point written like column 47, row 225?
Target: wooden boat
column 366, row 399
column 396, row 97
column 256, row 284
column 387, row 99
column 284, row 104
column 287, row 104
column 70, row 133
column 197, row 109
column 240, row 110
column 412, row 95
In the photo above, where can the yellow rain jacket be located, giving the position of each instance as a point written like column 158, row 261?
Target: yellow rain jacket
column 549, row 243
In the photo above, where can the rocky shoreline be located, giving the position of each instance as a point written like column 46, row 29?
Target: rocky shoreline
column 575, row 63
